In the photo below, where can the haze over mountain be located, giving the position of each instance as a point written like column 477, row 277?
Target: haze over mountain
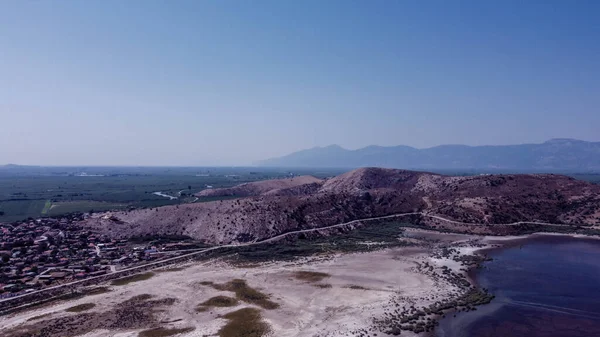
column 555, row 154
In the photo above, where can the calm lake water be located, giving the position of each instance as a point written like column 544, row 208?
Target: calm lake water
column 548, row 287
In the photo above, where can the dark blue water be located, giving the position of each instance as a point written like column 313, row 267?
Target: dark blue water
column 548, row 287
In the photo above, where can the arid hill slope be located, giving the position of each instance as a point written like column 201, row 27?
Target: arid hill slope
column 261, row 187
column 274, row 207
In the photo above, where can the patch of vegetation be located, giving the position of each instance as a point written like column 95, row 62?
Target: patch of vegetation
column 141, row 297
column 353, row 286
column 19, row 209
column 245, row 293
column 323, row 285
column 135, row 313
column 589, row 231
column 96, row 291
column 81, row 307
column 245, row 322
column 220, row 301
column 159, row 239
column 169, row 270
column 38, row 317
column 247, row 265
column 387, row 235
column 133, row 278
column 164, row 332
column 70, row 296
column 310, row 276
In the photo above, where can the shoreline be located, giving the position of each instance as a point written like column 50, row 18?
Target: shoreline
column 502, row 242
column 494, row 245
column 366, row 285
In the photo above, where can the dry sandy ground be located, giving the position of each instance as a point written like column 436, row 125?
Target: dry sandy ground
column 388, row 276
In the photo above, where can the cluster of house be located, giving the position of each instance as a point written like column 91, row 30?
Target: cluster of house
column 38, row 253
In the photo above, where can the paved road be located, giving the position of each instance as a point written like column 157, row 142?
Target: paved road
column 272, row 239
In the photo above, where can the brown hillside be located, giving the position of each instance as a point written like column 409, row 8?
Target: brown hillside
column 274, row 207
column 371, row 178
column 260, row 187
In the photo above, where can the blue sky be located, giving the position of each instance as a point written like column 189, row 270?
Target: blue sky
column 230, row 82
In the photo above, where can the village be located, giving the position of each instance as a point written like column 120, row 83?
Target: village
column 39, row 253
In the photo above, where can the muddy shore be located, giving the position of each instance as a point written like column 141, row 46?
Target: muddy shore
column 390, row 291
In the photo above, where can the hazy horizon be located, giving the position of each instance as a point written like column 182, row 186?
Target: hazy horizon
column 229, row 83
column 258, row 164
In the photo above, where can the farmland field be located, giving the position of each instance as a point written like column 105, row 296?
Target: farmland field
column 20, row 209
column 30, row 191
column 27, row 191
column 81, row 206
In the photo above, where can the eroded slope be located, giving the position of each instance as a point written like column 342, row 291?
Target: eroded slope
column 280, row 206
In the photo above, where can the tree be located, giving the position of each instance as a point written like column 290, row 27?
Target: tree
column 1, row 213
column 189, row 187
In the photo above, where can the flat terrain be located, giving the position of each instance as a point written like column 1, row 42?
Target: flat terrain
column 346, row 296
column 25, row 191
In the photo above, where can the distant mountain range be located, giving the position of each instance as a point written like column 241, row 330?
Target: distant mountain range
column 554, row 155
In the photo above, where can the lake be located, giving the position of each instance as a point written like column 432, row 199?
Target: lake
column 547, row 287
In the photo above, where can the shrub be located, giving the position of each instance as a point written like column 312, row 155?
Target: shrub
column 81, row 307
column 244, row 323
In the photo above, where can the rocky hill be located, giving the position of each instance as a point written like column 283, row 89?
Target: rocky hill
column 274, row 186
column 268, row 208
column 553, row 155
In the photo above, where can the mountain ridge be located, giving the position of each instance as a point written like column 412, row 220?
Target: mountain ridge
column 555, row 155
column 265, row 209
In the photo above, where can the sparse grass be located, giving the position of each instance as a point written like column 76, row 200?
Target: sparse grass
column 168, row 270
column 96, row 291
column 38, row 317
column 133, row 278
column 141, row 297
column 385, row 233
column 323, row 285
column 220, row 301
column 250, row 295
column 247, row 265
column 206, row 283
column 165, row 332
column 244, row 323
column 245, row 293
column 353, row 286
column 81, row 307
column 71, row 296
column 310, row 276
column 141, row 311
